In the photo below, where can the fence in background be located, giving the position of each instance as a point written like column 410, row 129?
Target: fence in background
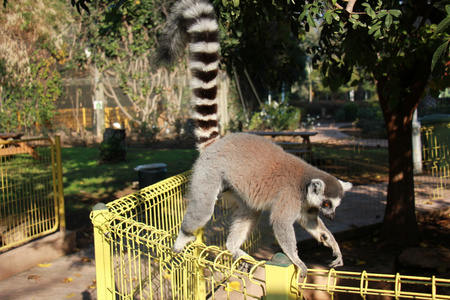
column 81, row 119
column 436, row 159
column 31, row 194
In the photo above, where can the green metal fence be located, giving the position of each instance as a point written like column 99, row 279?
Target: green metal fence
column 31, row 194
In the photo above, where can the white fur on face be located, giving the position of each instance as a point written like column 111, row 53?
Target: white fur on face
column 315, row 192
column 316, row 189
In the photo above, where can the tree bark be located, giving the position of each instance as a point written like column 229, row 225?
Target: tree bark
column 400, row 224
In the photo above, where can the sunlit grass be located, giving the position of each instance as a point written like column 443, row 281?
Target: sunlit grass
column 84, row 175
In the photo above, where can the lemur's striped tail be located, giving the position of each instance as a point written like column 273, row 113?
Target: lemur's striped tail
column 195, row 22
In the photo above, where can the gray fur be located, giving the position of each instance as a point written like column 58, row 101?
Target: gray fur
column 262, row 177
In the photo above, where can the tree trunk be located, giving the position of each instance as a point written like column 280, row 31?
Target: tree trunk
column 400, row 224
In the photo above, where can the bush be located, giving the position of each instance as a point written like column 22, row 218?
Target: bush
column 276, row 117
column 348, row 113
column 370, row 120
column 113, row 148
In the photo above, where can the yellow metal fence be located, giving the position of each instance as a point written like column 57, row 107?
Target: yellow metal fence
column 31, row 194
column 83, row 118
column 133, row 240
column 134, row 236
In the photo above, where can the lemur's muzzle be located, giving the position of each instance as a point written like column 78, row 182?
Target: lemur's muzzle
column 329, row 216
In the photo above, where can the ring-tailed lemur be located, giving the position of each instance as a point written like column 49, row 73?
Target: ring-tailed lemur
column 259, row 173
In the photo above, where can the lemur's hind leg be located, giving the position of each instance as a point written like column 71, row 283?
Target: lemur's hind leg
column 200, row 208
column 243, row 222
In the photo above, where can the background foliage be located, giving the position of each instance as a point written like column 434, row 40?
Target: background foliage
column 32, row 49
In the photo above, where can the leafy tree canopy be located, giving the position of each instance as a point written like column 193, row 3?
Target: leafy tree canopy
column 31, row 52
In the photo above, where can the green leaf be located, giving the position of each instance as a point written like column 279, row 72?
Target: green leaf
column 382, row 13
column 336, row 16
column 377, row 34
column 447, row 9
column 395, row 12
column 310, row 20
column 388, row 21
column 443, row 25
column 328, row 17
column 302, row 15
column 440, row 52
column 374, row 28
column 370, row 12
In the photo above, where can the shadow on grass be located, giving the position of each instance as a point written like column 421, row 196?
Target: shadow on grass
column 86, row 182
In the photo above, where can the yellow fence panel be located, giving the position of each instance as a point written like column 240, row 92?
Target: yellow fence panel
column 137, row 232
column 134, row 236
column 31, row 195
column 327, row 284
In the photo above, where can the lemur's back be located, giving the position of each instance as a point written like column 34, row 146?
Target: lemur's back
column 257, row 169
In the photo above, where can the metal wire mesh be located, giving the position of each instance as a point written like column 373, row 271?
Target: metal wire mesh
column 29, row 195
column 142, row 266
column 139, row 232
column 325, row 284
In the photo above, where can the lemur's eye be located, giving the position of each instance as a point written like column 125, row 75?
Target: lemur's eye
column 326, row 203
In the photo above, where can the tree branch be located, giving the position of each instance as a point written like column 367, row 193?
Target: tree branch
column 350, row 5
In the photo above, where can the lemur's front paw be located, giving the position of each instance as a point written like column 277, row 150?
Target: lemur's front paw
column 301, row 267
column 338, row 262
column 181, row 241
column 243, row 265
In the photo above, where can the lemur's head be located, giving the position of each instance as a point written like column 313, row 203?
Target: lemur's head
column 325, row 195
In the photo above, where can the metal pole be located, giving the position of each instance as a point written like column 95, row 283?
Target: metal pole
column 103, row 263
column 59, row 176
column 280, row 274
column 416, row 145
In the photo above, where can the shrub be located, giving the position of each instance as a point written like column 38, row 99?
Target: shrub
column 348, row 113
column 276, row 116
column 113, row 148
column 370, row 120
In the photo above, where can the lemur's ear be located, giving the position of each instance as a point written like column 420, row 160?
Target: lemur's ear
column 317, row 186
column 346, row 186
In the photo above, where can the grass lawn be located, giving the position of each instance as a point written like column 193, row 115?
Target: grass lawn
column 86, row 182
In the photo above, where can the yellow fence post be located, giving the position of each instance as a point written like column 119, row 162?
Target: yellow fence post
column 84, row 118
column 280, row 274
column 200, row 292
column 59, row 178
column 103, row 262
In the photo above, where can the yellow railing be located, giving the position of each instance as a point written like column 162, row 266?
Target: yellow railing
column 80, row 119
column 133, row 240
column 31, row 194
column 332, row 283
column 436, row 158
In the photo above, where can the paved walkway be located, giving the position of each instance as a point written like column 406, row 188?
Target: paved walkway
column 68, row 277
